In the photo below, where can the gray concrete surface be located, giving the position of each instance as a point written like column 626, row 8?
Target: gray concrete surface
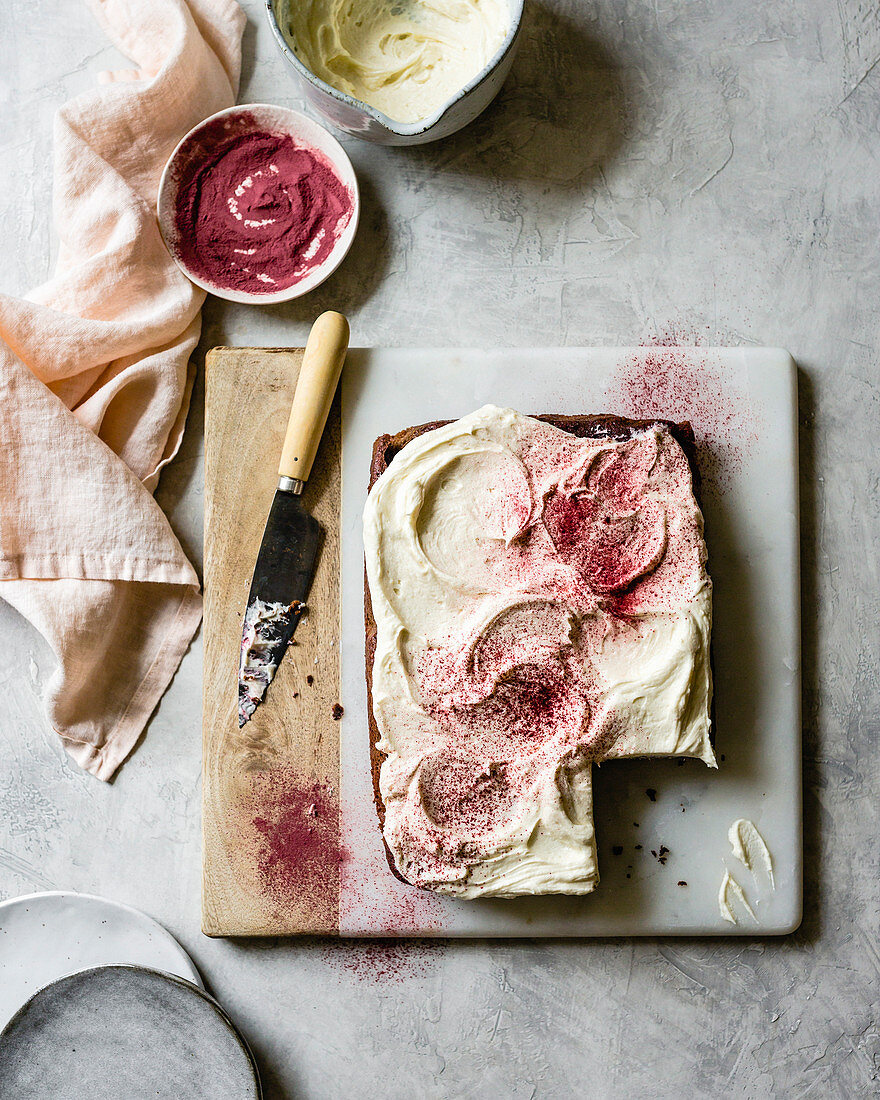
column 705, row 168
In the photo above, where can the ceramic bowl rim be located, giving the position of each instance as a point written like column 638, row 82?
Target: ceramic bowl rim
column 175, row 978
column 403, row 129
column 297, row 124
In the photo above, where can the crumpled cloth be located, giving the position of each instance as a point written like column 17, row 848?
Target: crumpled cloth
column 95, row 383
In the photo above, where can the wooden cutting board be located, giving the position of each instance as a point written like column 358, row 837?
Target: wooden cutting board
column 270, row 790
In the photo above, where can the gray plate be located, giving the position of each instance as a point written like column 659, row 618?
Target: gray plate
column 124, row 1031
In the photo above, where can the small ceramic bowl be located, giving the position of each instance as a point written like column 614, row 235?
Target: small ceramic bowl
column 352, row 116
column 305, row 132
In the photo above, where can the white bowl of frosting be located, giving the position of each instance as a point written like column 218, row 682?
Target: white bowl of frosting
column 398, row 72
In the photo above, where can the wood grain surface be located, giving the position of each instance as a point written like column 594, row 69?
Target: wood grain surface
column 270, row 790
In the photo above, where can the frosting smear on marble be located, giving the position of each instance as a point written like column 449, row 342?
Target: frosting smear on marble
column 730, row 894
column 750, row 849
column 541, row 604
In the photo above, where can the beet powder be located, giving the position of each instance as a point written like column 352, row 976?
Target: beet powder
column 256, row 212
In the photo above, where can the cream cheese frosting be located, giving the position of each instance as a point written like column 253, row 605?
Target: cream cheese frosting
column 750, row 848
column 541, row 604
column 730, row 893
column 406, row 58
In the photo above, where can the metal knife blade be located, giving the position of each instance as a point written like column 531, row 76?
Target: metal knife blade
column 280, row 588
column 292, row 539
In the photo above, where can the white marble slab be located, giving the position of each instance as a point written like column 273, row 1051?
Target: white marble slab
column 743, row 405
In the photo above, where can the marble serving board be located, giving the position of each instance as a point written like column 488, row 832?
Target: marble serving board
column 276, row 879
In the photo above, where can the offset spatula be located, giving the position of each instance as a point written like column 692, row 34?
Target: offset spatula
column 292, row 539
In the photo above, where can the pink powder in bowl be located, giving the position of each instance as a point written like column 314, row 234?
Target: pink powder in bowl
column 253, row 209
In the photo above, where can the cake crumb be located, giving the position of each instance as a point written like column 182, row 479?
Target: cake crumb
column 681, row 882
column 310, row 679
column 338, row 711
column 618, row 849
column 651, row 793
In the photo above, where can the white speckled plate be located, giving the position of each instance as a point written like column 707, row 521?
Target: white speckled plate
column 44, row 937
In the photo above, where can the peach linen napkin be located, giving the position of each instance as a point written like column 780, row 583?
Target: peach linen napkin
column 95, row 384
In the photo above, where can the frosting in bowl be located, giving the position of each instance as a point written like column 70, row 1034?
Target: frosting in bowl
column 406, row 58
column 541, row 603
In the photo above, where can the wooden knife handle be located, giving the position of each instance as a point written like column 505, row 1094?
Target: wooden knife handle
column 315, row 387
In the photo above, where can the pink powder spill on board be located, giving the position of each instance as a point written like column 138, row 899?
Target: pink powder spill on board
column 256, row 212
column 369, row 888
column 368, row 884
column 677, row 384
column 298, row 858
column 297, row 854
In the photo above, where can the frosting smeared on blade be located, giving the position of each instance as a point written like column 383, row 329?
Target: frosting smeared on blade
column 266, row 626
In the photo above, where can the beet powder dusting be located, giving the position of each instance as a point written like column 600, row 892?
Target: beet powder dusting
column 256, row 212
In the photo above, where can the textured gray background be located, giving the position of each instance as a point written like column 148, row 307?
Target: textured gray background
column 706, row 168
